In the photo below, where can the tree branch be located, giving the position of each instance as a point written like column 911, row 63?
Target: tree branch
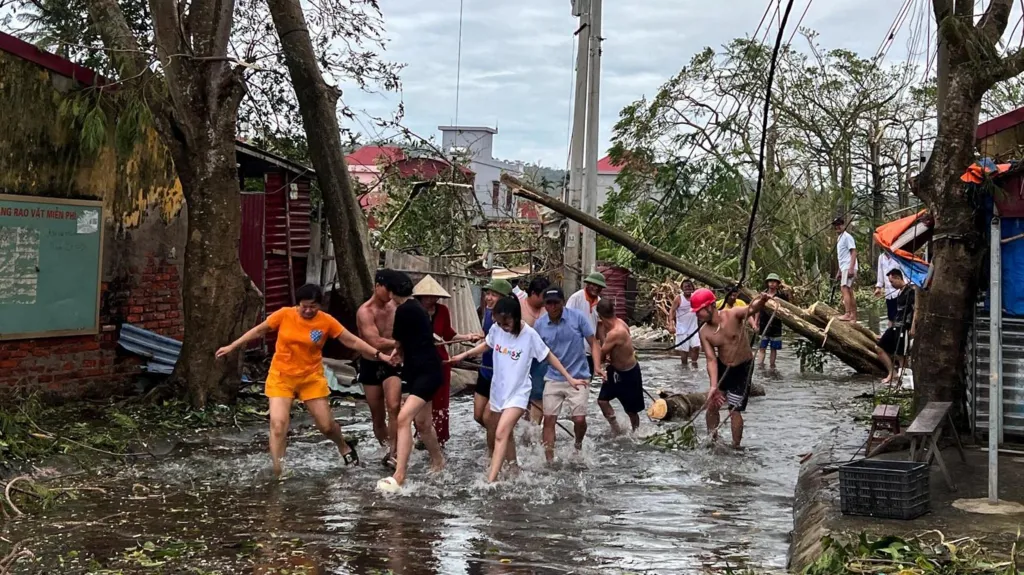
column 993, row 22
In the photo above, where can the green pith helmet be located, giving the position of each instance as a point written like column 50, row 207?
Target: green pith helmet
column 596, row 278
column 499, row 286
column 773, row 277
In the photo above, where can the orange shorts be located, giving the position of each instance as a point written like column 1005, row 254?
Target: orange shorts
column 304, row 387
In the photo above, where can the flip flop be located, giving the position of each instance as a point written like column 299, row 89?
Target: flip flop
column 389, row 485
column 389, row 462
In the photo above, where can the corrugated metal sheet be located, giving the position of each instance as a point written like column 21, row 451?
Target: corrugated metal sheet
column 278, row 191
column 251, row 249
column 1013, row 376
column 162, row 352
column 461, row 305
column 621, row 288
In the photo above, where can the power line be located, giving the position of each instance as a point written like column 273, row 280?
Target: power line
column 458, row 66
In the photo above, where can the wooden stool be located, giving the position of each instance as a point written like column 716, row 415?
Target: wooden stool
column 925, row 432
column 883, row 418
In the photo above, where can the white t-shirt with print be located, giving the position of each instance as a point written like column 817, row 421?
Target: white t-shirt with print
column 843, row 249
column 513, row 356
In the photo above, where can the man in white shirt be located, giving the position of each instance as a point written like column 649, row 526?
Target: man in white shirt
column 846, row 252
column 883, row 287
column 585, row 301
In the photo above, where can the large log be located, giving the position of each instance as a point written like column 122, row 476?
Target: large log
column 683, row 406
column 840, row 343
column 826, row 313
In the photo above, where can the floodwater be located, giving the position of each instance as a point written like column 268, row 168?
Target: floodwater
column 618, row 507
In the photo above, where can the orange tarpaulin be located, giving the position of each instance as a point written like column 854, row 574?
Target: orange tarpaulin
column 905, row 236
column 976, row 173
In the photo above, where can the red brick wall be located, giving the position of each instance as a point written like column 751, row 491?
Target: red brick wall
column 92, row 365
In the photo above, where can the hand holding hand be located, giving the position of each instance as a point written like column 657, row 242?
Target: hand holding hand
column 475, row 337
column 577, row 383
column 393, row 359
column 600, row 372
column 384, row 357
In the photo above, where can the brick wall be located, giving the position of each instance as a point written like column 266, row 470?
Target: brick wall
column 148, row 295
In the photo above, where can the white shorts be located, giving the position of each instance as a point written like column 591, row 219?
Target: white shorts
column 846, row 280
column 687, row 344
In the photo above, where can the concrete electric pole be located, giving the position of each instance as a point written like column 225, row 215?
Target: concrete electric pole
column 589, row 257
column 580, row 9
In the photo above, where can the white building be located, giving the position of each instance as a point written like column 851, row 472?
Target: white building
column 475, row 146
column 607, row 172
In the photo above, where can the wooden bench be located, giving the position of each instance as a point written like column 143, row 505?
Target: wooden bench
column 884, row 418
column 925, row 432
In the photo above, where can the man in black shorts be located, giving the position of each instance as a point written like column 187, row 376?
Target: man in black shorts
column 422, row 370
column 381, row 382
column 895, row 342
column 623, row 380
column 730, row 361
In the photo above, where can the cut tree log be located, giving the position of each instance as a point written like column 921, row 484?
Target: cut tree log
column 683, row 406
column 844, row 342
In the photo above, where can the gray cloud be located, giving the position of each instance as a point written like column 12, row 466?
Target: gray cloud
column 517, row 58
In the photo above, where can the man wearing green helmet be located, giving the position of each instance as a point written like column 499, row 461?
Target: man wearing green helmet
column 770, row 328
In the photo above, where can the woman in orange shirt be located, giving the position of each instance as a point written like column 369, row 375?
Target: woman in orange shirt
column 297, row 371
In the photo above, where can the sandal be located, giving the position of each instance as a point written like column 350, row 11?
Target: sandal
column 389, row 462
column 352, row 457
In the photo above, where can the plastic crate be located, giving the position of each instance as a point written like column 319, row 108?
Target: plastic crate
column 887, row 489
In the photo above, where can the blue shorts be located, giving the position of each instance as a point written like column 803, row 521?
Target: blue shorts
column 774, row 342
column 537, row 371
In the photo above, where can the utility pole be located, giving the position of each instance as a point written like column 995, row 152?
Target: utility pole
column 589, row 258
column 581, row 9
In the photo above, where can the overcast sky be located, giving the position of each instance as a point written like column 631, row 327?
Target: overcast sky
column 517, row 58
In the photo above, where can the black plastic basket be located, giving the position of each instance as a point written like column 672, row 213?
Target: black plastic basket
column 887, row 489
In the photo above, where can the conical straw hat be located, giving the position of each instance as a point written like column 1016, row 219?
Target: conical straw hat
column 658, row 410
column 429, row 286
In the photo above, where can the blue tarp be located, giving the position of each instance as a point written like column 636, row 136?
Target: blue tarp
column 1013, row 267
column 915, row 271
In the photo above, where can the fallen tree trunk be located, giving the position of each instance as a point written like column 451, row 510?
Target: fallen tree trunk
column 840, row 342
column 683, row 406
column 826, row 313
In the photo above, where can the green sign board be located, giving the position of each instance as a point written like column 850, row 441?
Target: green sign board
column 50, row 266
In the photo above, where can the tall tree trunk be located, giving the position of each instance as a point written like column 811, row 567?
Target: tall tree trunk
column 972, row 65
column 194, row 102
column 877, row 199
column 318, row 103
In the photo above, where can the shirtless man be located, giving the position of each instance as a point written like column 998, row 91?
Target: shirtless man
column 730, row 368
column 623, row 380
column 381, row 381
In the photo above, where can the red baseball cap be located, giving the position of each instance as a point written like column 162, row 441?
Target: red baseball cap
column 701, row 299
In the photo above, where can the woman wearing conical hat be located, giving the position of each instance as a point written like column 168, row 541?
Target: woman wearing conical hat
column 429, row 293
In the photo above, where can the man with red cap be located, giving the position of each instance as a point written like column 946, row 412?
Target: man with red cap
column 730, row 368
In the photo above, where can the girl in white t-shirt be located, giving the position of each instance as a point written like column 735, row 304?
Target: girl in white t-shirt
column 515, row 346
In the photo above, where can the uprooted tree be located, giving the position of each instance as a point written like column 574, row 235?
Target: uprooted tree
column 944, row 311
column 852, row 344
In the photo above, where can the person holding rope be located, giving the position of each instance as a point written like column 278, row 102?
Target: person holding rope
column 731, row 367
column 515, row 346
column 382, row 383
column 895, row 342
column 767, row 325
column 623, row 380
column 685, row 327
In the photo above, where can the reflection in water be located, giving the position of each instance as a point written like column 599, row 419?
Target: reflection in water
column 619, row 506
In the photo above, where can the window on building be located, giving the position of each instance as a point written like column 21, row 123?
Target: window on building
column 495, row 193
column 508, row 200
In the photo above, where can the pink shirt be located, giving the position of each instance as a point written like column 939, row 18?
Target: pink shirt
column 528, row 314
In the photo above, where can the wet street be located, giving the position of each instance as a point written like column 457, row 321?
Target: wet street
column 619, row 507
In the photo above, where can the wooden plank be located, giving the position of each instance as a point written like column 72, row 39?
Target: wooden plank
column 930, row 418
column 886, row 412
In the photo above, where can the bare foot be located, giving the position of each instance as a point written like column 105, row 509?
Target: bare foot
column 437, row 466
column 845, row 317
column 886, row 380
column 277, row 467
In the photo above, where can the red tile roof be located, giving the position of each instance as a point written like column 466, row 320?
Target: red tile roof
column 372, row 155
column 605, row 166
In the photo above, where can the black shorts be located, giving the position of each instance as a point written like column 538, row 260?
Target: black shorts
column 590, row 364
column 626, row 386
column 483, row 385
column 893, row 341
column 373, row 372
column 890, row 309
column 424, row 384
column 734, row 383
